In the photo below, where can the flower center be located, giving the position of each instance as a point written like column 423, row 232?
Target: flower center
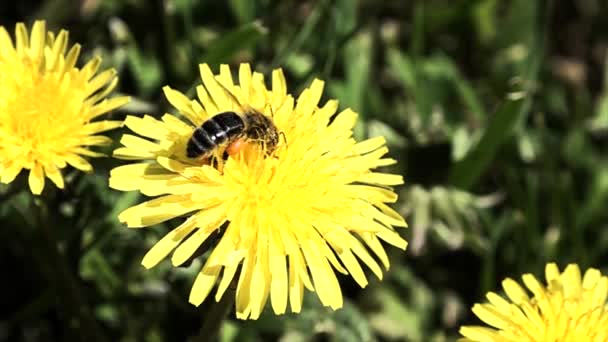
column 38, row 111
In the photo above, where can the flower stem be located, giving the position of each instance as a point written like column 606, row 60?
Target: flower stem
column 216, row 316
column 69, row 295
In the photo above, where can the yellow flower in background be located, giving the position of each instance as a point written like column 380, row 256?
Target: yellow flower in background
column 47, row 106
column 568, row 309
column 293, row 217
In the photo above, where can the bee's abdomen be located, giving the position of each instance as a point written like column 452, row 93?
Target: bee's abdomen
column 219, row 129
column 230, row 122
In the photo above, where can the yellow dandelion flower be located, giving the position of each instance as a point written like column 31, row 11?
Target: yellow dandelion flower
column 47, row 106
column 568, row 309
column 292, row 217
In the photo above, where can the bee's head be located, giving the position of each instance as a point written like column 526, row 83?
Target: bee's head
column 262, row 129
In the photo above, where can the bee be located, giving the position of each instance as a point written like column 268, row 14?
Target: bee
column 233, row 130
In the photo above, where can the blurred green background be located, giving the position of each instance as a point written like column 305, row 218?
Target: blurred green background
column 496, row 110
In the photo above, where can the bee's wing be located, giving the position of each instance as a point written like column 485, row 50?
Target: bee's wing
column 243, row 107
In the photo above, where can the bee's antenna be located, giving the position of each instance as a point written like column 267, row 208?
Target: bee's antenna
column 281, row 133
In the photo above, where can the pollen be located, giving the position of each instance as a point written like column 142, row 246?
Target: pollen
column 236, row 147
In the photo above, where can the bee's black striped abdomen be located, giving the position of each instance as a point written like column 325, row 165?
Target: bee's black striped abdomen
column 221, row 128
column 199, row 143
column 231, row 123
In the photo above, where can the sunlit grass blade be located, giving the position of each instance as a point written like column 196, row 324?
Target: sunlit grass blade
column 467, row 171
column 225, row 47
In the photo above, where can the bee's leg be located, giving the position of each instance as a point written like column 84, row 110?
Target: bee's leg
column 263, row 145
column 267, row 151
column 204, row 160
column 213, row 162
column 220, row 160
column 216, row 160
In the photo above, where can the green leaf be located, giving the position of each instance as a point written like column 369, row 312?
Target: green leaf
column 146, row 69
column 345, row 16
column 484, row 13
column 304, row 33
column 599, row 122
column 596, row 199
column 417, row 44
column 461, row 143
column 351, row 325
column 467, row 171
column 465, row 90
column 377, row 128
column 95, row 267
column 224, row 48
column 244, row 10
column 357, row 60
column 403, row 67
